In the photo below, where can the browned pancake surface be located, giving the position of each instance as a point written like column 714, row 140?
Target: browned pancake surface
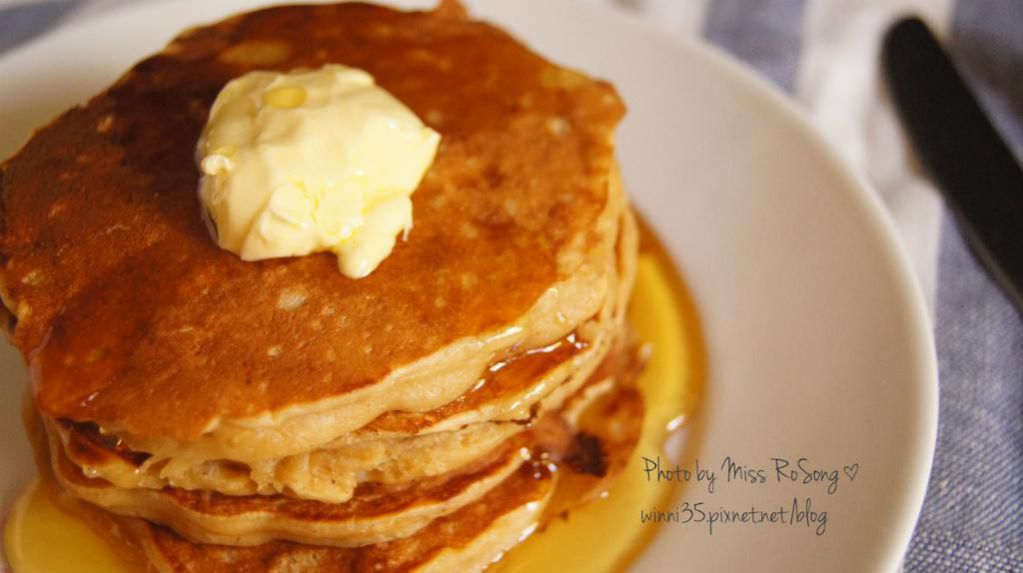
column 132, row 316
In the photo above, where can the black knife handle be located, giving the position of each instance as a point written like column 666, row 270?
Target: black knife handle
column 981, row 180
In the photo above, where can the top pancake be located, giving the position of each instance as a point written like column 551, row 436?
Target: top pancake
column 132, row 317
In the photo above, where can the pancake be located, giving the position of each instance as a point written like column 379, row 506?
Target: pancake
column 513, row 225
column 375, row 513
column 467, row 540
column 397, row 447
column 330, row 475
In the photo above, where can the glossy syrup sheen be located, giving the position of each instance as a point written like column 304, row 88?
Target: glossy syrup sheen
column 604, row 535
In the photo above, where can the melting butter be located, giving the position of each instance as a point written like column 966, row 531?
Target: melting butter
column 311, row 161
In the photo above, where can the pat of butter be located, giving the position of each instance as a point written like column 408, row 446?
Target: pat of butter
column 310, row 161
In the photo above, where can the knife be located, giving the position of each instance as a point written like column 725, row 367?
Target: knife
column 981, row 180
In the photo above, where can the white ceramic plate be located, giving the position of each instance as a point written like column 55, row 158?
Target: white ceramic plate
column 818, row 342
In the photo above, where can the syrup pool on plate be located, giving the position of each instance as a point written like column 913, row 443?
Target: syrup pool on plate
column 604, row 535
column 40, row 537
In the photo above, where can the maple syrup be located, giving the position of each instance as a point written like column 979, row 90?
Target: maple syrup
column 606, row 534
column 602, row 536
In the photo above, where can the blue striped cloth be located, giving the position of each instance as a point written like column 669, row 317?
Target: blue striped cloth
column 972, row 518
column 973, row 515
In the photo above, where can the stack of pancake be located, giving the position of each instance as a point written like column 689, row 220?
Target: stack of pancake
column 278, row 416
